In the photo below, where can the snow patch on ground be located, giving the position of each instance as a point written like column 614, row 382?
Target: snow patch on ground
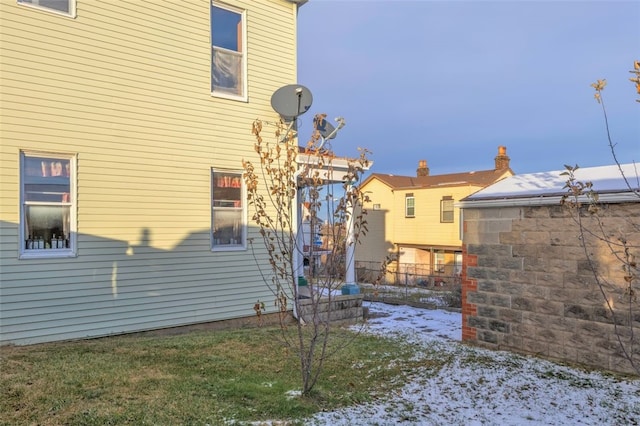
column 483, row 387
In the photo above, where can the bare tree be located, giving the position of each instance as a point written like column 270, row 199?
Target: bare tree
column 618, row 237
column 284, row 178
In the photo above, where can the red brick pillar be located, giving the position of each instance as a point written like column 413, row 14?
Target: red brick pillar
column 468, row 285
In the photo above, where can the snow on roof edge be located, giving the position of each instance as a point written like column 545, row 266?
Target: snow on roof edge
column 605, row 179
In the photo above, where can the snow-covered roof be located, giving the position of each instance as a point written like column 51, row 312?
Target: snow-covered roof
column 548, row 187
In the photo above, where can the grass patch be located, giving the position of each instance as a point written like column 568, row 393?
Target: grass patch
column 198, row 378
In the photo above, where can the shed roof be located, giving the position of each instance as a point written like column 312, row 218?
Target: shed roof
column 620, row 183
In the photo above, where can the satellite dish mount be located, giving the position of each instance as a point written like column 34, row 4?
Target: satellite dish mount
column 327, row 130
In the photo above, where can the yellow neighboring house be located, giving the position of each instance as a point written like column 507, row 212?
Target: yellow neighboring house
column 413, row 220
column 123, row 125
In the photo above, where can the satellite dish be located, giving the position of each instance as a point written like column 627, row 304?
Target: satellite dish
column 291, row 101
column 326, row 129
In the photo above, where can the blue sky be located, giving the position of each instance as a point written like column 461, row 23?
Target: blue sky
column 450, row 81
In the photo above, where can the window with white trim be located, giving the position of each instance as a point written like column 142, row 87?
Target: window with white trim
column 228, row 52
column 228, row 228
column 446, row 209
column 47, row 194
column 65, row 7
column 409, row 205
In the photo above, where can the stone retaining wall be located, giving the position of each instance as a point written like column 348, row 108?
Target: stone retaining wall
column 529, row 287
column 343, row 309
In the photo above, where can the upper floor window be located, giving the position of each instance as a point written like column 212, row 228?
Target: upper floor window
column 409, row 205
column 47, row 195
column 228, row 52
column 65, row 7
column 446, row 209
column 227, row 202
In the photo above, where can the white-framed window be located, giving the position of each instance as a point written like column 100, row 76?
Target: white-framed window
column 446, row 209
column 228, row 227
column 47, row 205
column 409, row 205
column 228, row 52
column 63, row 7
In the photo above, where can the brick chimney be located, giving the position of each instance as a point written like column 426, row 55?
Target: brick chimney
column 502, row 160
column 423, row 170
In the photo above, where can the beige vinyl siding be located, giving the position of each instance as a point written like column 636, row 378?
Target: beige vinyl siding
column 425, row 227
column 126, row 87
column 390, row 228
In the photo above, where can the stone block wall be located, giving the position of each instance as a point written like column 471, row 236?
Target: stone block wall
column 342, row 310
column 529, row 287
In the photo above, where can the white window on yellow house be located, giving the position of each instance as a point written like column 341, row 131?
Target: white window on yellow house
column 409, row 205
column 228, row 52
column 64, row 7
column 47, row 201
column 228, row 230
column 446, row 209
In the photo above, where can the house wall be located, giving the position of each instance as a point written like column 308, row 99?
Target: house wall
column 390, row 231
column 423, row 229
column 125, row 86
column 528, row 286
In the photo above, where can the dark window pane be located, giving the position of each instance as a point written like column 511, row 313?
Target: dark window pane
column 225, row 26
column 47, row 227
column 59, row 5
column 446, row 210
column 47, row 180
column 46, row 167
column 227, row 228
column 409, row 206
column 48, row 192
column 228, row 212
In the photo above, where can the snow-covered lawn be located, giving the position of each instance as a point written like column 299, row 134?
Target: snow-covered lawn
column 482, row 387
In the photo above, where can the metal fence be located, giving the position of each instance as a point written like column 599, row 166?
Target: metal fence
column 408, row 274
